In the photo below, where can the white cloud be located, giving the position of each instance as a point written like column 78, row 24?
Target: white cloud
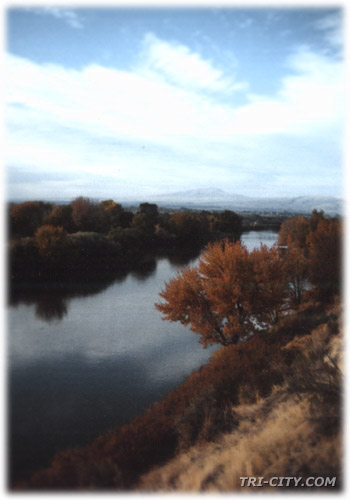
column 309, row 100
column 69, row 16
column 178, row 65
column 62, row 119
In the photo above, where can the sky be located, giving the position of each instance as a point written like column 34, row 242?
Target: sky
column 132, row 102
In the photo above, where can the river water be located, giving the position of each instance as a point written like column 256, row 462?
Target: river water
column 82, row 360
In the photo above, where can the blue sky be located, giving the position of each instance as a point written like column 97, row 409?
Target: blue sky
column 131, row 102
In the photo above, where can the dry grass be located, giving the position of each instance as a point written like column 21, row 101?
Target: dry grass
column 283, row 444
column 295, row 431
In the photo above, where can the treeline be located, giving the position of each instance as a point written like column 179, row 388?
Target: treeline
column 86, row 239
column 252, row 221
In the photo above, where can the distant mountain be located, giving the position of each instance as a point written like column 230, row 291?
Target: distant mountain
column 217, row 199
column 205, row 195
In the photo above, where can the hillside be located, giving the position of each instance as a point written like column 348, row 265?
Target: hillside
column 292, row 432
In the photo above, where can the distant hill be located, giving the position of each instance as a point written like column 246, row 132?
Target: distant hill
column 213, row 198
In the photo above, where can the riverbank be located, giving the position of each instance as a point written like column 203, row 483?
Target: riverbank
column 243, row 386
column 85, row 240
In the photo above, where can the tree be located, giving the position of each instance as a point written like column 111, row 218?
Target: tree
column 151, row 209
column 270, row 292
column 188, row 228
column 316, row 217
column 231, row 294
column 51, row 242
column 311, row 252
column 25, row 218
column 110, row 215
column 228, row 222
column 296, row 268
column 61, row 215
column 293, row 237
column 143, row 222
column 85, row 214
column 293, row 232
column 325, row 258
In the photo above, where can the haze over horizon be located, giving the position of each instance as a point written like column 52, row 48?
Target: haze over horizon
column 138, row 102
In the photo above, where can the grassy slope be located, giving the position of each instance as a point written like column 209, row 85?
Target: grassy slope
column 257, row 408
column 292, row 432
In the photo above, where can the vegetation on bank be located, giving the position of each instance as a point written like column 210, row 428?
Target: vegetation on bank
column 89, row 240
column 248, row 387
column 294, row 431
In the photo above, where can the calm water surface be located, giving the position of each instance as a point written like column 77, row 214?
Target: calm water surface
column 83, row 360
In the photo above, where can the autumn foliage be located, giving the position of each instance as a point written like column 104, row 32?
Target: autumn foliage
column 27, row 217
column 312, row 254
column 325, row 258
column 50, row 240
column 233, row 293
column 230, row 295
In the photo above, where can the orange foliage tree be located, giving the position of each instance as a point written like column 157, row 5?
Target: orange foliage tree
column 230, row 295
column 311, row 255
column 293, row 238
column 294, row 232
column 296, row 267
column 325, row 258
column 51, row 241
column 26, row 217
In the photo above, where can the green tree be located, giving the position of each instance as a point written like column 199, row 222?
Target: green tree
column 143, row 222
column 188, row 228
column 111, row 215
column 228, row 222
column 150, row 209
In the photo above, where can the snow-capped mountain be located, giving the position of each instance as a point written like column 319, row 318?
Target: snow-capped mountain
column 213, row 198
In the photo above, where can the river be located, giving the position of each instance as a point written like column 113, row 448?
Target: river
column 82, row 360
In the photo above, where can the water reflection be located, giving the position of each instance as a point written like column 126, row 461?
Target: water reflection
column 183, row 256
column 144, row 269
column 51, row 300
column 253, row 239
column 51, row 310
